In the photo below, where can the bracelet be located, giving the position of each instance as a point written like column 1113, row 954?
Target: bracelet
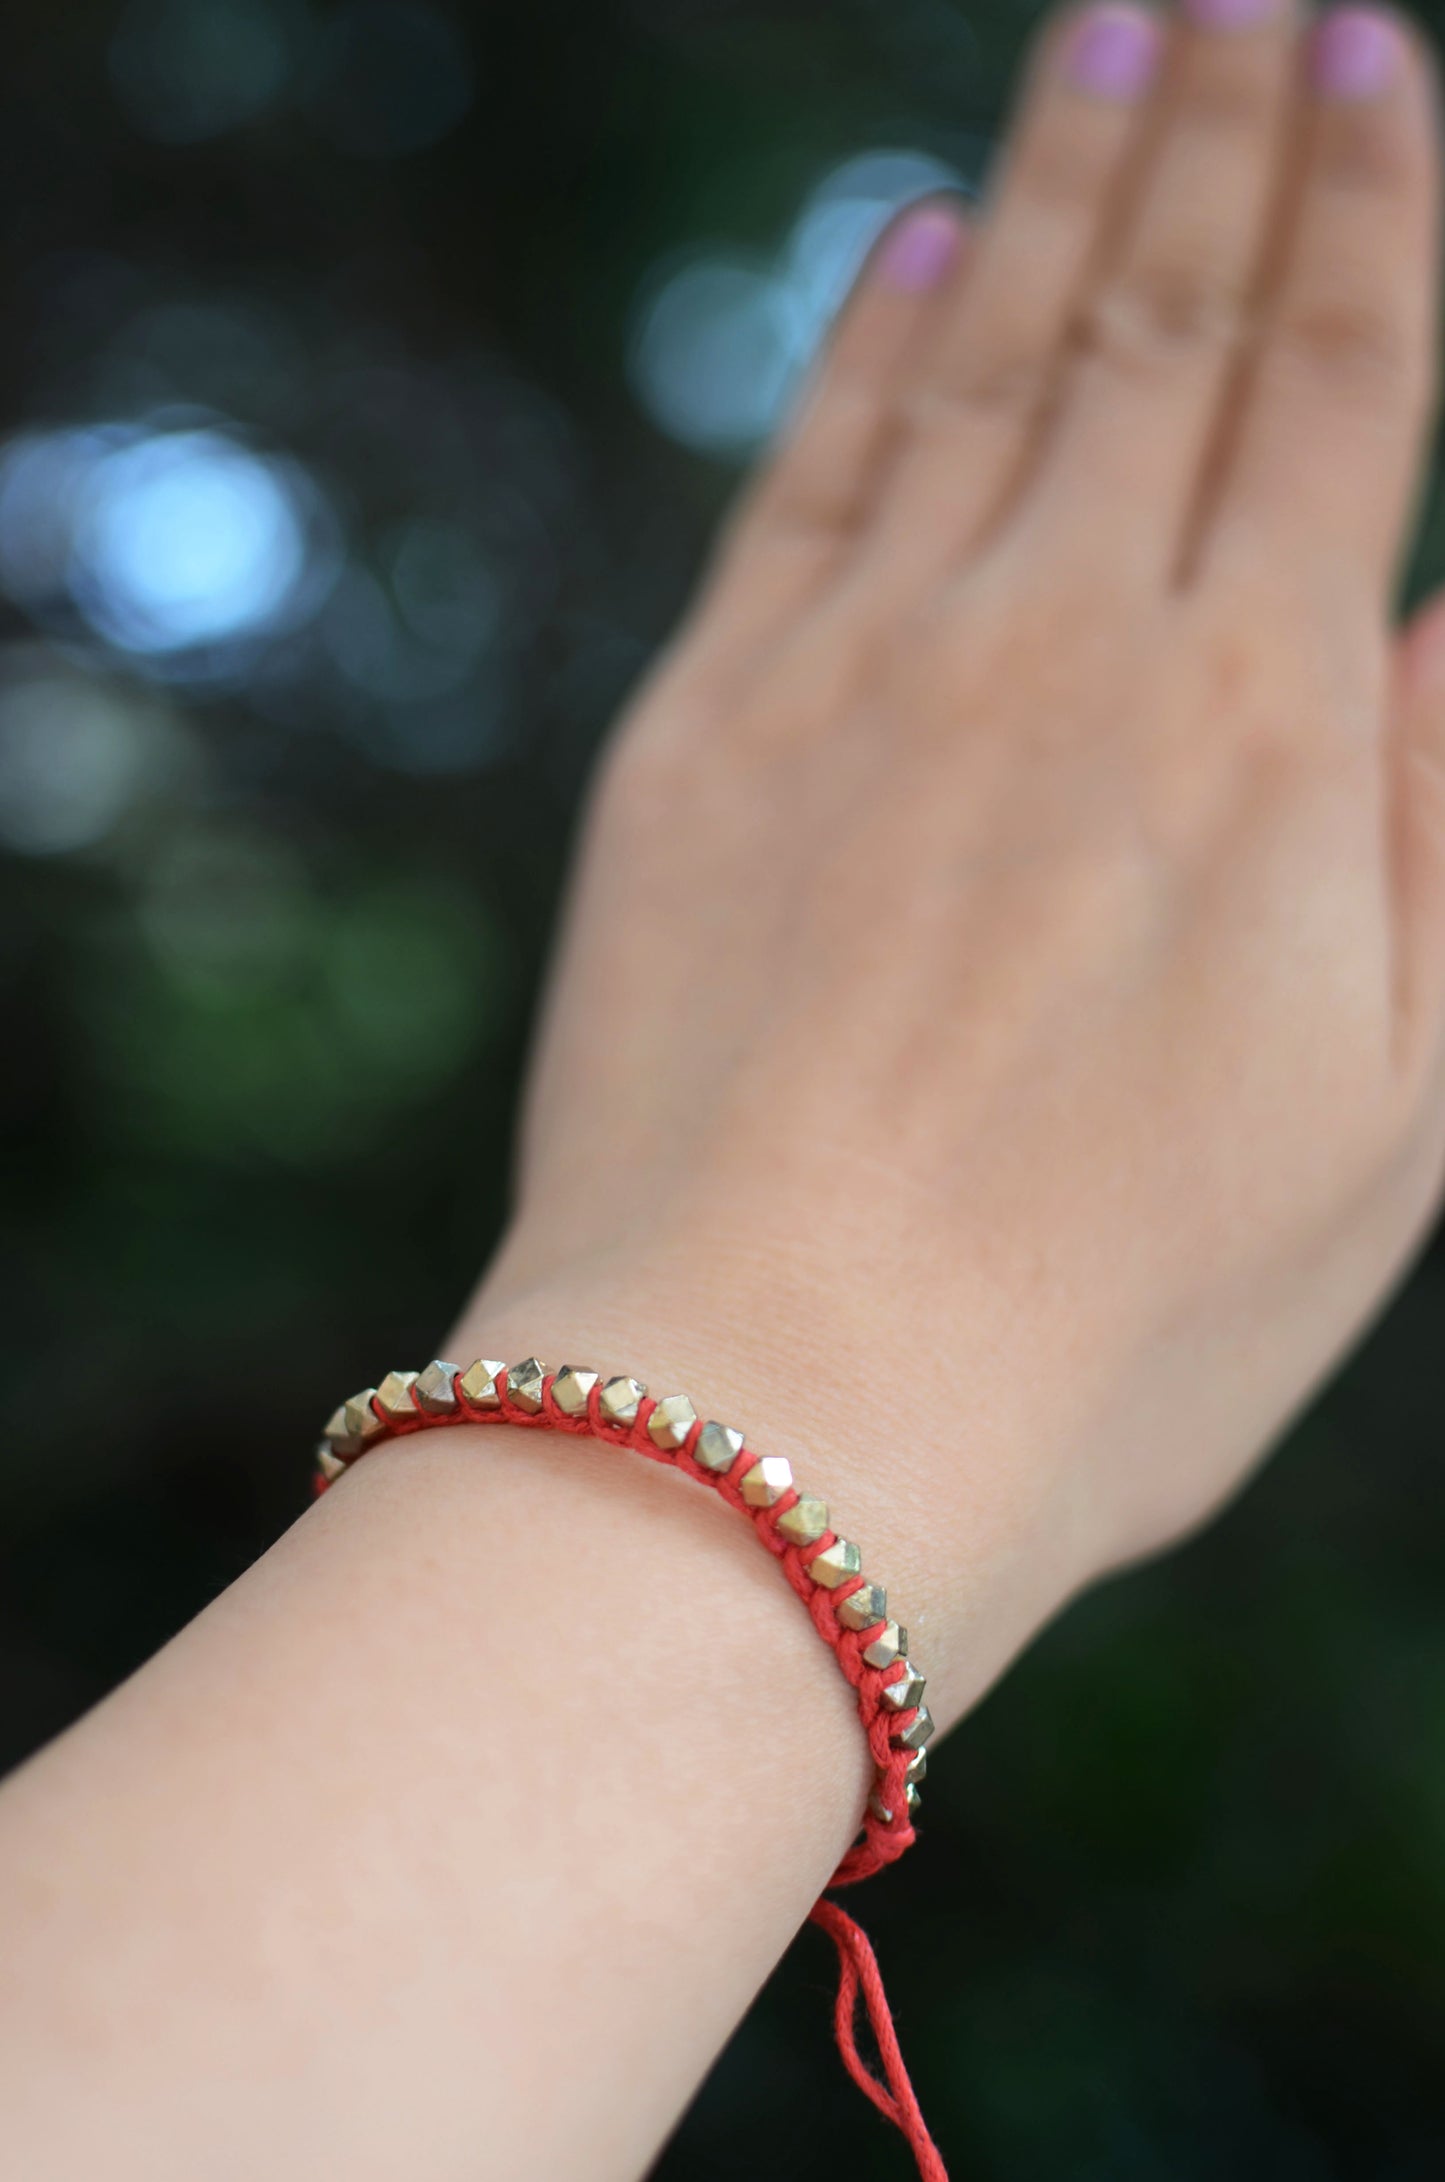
column 849, row 1611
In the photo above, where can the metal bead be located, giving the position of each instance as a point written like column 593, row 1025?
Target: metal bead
column 436, row 1389
column 362, row 1422
column 671, row 1421
column 879, row 1808
column 718, row 1447
column 913, row 1798
column 524, row 1384
column 394, row 1395
column 478, row 1383
column 340, row 1434
column 805, row 1522
column 917, row 1766
column 619, row 1399
column 764, row 1485
column 571, row 1389
column 328, row 1462
column 836, row 1563
column 906, row 1690
column 863, row 1608
column 890, row 1643
column 915, row 1736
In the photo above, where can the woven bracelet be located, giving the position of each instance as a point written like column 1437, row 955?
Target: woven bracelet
column 849, row 1611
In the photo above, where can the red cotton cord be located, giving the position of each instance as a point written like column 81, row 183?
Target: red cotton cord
column 883, row 1839
column 894, row 2099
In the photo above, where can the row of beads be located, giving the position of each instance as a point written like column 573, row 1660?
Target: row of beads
column 620, row 1409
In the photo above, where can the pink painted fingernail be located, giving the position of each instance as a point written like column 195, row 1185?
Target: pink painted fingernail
column 1114, row 52
column 1356, row 54
column 1230, row 14
column 920, row 249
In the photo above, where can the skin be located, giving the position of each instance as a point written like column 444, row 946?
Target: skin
column 995, row 1054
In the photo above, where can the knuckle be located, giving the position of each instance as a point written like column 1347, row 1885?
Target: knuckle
column 1351, row 342
column 1161, row 315
column 1006, row 382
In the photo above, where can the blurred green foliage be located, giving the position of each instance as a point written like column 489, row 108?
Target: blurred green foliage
column 271, row 924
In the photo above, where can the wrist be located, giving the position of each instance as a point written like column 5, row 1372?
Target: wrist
column 966, row 1529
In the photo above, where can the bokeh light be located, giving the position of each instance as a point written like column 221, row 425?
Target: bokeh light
column 720, row 342
column 188, row 70
column 165, row 541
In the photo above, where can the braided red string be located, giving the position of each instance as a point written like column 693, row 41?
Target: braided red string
column 882, row 1841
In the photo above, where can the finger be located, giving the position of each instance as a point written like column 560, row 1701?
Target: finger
column 818, row 489
column 984, row 382
column 1159, row 336
column 1323, row 473
column 1418, row 750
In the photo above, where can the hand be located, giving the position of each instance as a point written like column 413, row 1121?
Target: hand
column 1005, row 990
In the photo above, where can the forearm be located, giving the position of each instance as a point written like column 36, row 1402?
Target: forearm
column 454, row 1839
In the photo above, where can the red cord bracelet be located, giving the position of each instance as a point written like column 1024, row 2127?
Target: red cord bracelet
column 849, row 1612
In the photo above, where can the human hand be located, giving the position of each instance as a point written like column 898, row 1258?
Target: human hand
column 996, row 1054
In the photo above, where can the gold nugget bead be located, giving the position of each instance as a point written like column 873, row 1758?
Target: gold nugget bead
column 572, row 1388
column 913, row 1798
column 718, row 1447
column 671, row 1421
column 436, row 1389
column 906, row 1690
column 805, row 1522
column 394, row 1395
column 764, row 1485
column 524, row 1384
column 836, row 1563
column 917, row 1766
column 619, row 1399
column 865, row 1607
column 328, row 1462
column 478, row 1383
column 890, row 1643
column 918, row 1733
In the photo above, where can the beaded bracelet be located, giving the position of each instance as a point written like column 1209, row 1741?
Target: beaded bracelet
column 849, row 1611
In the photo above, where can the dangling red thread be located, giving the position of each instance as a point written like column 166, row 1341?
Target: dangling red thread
column 894, row 2099
column 883, row 1837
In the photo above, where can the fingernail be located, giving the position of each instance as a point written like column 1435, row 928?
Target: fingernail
column 1356, row 54
column 1230, row 14
column 1114, row 51
column 919, row 250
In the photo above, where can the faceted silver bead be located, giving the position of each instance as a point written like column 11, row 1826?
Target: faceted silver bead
column 394, row 1395
column 879, row 1808
column 362, row 1422
column 671, row 1421
column 921, row 1730
column 718, row 1447
column 436, row 1389
column 805, row 1521
column 524, row 1384
column 619, row 1399
column 863, row 1608
column 339, row 1432
column 571, row 1389
column 917, row 1767
column 889, row 1644
column 328, row 1462
column 836, row 1563
column 914, row 1799
column 764, row 1485
column 478, row 1383
column 905, row 1690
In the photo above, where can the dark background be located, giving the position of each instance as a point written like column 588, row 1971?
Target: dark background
column 375, row 375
